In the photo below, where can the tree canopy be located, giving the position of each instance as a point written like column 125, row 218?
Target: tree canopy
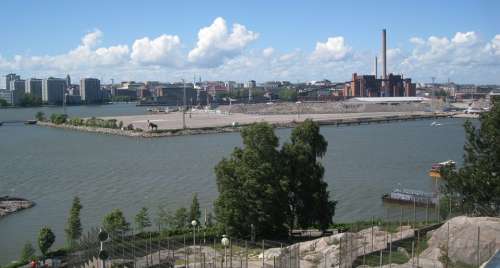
column 142, row 220
column 74, row 225
column 476, row 185
column 271, row 189
column 308, row 195
column 45, row 239
column 27, row 253
column 195, row 212
column 115, row 222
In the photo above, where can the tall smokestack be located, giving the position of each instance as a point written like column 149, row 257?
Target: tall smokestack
column 384, row 55
column 376, row 67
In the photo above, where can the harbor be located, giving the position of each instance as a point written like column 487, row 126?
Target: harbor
column 363, row 162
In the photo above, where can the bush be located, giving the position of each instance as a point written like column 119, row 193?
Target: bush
column 58, row 119
column 40, row 116
column 75, row 121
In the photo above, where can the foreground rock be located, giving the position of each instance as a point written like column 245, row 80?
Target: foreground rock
column 462, row 243
column 469, row 240
column 9, row 205
column 339, row 250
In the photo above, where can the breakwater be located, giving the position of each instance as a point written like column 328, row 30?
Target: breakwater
column 225, row 124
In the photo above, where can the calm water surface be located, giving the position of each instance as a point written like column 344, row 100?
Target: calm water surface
column 51, row 166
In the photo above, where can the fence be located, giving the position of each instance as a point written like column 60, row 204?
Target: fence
column 401, row 236
column 152, row 250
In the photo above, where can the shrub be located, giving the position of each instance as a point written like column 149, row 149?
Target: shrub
column 40, row 116
column 58, row 118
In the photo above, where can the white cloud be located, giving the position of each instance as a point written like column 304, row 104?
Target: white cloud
column 91, row 39
column 464, row 38
column 417, row 41
column 267, row 52
column 163, row 50
column 493, row 47
column 333, row 49
column 216, row 45
column 222, row 52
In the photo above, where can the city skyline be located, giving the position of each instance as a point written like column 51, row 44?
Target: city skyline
column 224, row 41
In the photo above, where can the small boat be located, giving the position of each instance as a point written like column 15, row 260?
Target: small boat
column 436, row 168
column 30, row 122
column 408, row 196
column 435, row 124
column 158, row 110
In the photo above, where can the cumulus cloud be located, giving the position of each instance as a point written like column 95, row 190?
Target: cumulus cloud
column 463, row 56
column 267, row 52
column 216, row 44
column 82, row 57
column 163, row 50
column 493, row 47
column 334, row 49
column 91, row 39
column 221, row 53
column 464, row 38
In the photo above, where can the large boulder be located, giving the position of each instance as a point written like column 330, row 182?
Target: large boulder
column 467, row 239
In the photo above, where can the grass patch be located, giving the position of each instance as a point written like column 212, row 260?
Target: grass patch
column 374, row 259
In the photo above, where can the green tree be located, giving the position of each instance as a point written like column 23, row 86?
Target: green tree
column 195, row 212
column 251, row 187
column 165, row 218
column 142, row 220
column 476, row 185
column 45, row 240
column 3, row 103
column 27, row 253
column 210, row 220
column 115, row 222
column 29, row 100
column 181, row 218
column 40, row 116
column 288, row 94
column 74, row 225
column 308, row 197
column 58, row 118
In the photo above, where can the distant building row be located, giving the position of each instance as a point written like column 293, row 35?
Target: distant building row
column 52, row 91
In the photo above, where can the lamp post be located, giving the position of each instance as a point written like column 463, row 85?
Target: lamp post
column 194, row 223
column 225, row 242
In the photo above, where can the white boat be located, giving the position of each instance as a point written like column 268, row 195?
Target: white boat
column 435, row 124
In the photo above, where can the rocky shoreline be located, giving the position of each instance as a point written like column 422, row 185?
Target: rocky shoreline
column 9, row 205
column 145, row 134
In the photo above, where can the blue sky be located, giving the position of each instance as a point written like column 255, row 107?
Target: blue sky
column 280, row 40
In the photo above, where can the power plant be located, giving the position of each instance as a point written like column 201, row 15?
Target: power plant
column 385, row 86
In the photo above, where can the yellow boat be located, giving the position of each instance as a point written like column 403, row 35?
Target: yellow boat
column 436, row 168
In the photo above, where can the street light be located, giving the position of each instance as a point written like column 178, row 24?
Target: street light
column 225, row 243
column 194, row 223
